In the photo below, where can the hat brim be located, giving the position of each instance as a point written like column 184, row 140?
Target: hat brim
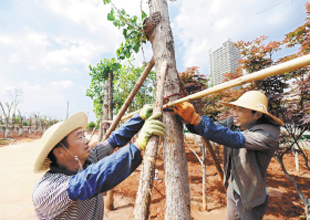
column 232, row 104
column 54, row 135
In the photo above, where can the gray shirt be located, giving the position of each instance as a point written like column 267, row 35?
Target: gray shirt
column 249, row 164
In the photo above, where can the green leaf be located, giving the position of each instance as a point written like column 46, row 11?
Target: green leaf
column 144, row 15
column 136, row 47
column 111, row 16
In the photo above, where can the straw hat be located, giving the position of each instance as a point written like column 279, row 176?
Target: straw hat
column 256, row 101
column 54, row 135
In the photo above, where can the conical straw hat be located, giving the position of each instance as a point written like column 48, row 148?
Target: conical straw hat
column 54, row 135
column 256, row 101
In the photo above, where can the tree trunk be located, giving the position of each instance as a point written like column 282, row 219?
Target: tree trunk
column 20, row 131
column 109, row 204
column 217, row 164
column 107, row 111
column 204, row 189
column 7, row 130
column 159, row 32
column 204, row 176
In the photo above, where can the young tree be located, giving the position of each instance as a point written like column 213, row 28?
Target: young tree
column 124, row 79
column 11, row 108
column 21, row 123
column 296, row 110
column 158, row 31
column 288, row 94
column 99, row 75
column 192, row 82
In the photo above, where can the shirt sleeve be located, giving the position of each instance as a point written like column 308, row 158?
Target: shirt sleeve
column 50, row 197
column 102, row 150
column 219, row 133
column 126, row 131
column 105, row 174
column 260, row 140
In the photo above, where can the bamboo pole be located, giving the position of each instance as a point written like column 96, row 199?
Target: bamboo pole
column 143, row 198
column 270, row 71
column 129, row 98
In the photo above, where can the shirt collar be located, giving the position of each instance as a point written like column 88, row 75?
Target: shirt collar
column 56, row 169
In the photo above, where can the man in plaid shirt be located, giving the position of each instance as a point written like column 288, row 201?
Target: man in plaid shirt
column 72, row 187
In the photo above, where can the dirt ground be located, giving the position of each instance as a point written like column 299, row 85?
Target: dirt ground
column 17, row 179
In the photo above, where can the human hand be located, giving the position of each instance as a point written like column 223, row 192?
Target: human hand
column 146, row 111
column 150, row 127
column 186, row 111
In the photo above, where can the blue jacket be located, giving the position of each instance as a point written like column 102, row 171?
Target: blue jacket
column 247, row 154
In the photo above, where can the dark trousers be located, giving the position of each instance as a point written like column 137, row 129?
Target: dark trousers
column 235, row 210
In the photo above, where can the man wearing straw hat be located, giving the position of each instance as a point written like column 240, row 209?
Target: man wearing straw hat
column 72, row 187
column 250, row 137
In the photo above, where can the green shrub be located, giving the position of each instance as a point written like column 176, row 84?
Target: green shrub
column 91, row 125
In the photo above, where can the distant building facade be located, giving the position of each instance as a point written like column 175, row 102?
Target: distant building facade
column 223, row 59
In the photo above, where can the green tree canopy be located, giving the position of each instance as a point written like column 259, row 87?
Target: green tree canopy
column 124, row 79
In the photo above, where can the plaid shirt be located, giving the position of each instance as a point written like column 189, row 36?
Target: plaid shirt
column 61, row 194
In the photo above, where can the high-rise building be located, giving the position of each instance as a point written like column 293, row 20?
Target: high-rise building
column 223, row 59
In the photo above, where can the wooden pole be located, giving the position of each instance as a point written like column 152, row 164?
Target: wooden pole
column 129, row 98
column 270, row 71
column 143, row 198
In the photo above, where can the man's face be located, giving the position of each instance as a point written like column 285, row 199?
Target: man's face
column 78, row 144
column 244, row 118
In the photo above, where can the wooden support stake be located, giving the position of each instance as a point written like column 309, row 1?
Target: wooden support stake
column 129, row 98
column 144, row 194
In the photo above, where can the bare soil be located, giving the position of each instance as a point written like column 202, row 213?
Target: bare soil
column 17, row 179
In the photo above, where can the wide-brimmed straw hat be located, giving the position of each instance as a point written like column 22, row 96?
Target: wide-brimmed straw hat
column 54, row 135
column 254, row 100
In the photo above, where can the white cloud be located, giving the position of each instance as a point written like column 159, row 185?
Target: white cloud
column 201, row 25
column 47, row 46
column 222, row 23
column 65, row 84
column 6, row 39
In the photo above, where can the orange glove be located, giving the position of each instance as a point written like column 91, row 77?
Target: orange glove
column 186, row 111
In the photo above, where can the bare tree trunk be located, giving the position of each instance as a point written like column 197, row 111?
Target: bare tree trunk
column 203, row 162
column 107, row 111
column 159, row 32
column 217, row 164
column 109, row 204
column 7, row 130
column 204, row 176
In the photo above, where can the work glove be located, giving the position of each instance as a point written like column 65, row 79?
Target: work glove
column 186, row 112
column 146, row 111
column 150, row 127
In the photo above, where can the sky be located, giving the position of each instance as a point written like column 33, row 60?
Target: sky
column 46, row 46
